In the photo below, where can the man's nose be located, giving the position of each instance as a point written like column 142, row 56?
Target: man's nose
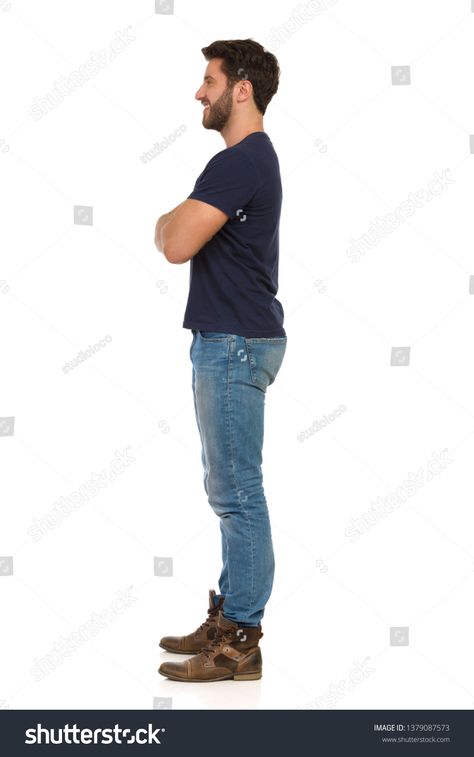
column 199, row 94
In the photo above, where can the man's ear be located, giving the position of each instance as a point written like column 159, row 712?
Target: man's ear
column 245, row 90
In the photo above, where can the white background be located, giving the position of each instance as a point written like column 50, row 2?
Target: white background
column 353, row 147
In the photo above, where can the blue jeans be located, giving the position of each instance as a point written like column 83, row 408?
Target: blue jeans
column 230, row 377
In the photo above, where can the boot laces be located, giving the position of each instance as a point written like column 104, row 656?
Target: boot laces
column 213, row 644
column 211, row 613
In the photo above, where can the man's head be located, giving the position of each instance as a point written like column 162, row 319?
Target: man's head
column 240, row 80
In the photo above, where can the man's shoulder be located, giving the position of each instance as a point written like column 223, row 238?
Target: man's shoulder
column 235, row 159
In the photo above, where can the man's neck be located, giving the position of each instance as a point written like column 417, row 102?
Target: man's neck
column 237, row 134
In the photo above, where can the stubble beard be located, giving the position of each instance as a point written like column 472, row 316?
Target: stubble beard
column 217, row 116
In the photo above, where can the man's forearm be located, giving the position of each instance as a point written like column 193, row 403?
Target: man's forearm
column 161, row 223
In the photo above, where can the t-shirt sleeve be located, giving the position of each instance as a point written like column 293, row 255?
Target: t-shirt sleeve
column 228, row 182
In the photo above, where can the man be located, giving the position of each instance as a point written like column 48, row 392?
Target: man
column 229, row 229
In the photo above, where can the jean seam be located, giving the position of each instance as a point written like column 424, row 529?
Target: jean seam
column 251, row 537
column 230, row 418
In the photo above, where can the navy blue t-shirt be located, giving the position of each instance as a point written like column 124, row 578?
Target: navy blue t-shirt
column 234, row 277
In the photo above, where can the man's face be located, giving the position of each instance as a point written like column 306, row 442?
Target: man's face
column 216, row 96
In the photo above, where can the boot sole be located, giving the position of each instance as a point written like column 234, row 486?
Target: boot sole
column 237, row 677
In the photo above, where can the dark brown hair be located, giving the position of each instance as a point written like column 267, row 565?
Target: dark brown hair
column 246, row 59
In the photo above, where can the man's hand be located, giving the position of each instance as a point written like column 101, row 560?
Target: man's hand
column 181, row 233
column 162, row 221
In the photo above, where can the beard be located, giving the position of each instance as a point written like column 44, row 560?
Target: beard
column 218, row 114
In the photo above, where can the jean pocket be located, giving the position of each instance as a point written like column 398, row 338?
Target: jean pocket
column 271, row 339
column 214, row 336
column 265, row 359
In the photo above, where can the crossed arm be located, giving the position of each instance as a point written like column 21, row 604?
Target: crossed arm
column 182, row 232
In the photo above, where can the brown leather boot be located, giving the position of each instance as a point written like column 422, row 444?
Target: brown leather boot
column 233, row 653
column 194, row 642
